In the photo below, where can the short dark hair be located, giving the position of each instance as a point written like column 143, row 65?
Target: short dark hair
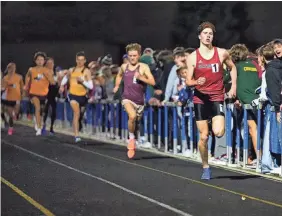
column 81, row 53
column 189, row 50
column 205, row 25
column 37, row 54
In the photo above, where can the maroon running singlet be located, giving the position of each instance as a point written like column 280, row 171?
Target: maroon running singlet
column 212, row 70
column 134, row 90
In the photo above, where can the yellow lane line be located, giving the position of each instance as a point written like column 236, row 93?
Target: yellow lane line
column 27, row 198
column 182, row 177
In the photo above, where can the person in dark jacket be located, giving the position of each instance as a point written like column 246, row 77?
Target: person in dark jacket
column 273, row 67
column 164, row 62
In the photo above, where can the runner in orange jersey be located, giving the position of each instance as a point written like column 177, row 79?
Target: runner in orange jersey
column 37, row 82
column 12, row 85
column 80, row 82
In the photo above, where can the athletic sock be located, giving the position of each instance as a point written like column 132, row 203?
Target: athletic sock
column 131, row 135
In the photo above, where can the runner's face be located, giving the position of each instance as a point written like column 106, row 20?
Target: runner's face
column 206, row 36
column 40, row 61
column 80, row 61
column 11, row 68
column 133, row 56
column 278, row 50
column 50, row 64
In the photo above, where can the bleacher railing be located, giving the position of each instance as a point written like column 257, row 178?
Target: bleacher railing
column 107, row 119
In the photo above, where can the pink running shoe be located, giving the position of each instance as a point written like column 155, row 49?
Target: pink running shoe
column 10, row 131
column 131, row 148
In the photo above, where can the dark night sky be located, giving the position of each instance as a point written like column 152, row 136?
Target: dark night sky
column 155, row 24
column 155, row 21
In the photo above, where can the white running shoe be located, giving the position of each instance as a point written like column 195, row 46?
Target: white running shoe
column 38, row 132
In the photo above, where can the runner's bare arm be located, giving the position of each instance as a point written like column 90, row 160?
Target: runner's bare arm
column 191, row 61
column 147, row 76
column 86, row 74
column 119, row 76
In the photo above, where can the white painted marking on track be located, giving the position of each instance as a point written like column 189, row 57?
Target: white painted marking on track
column 175, row 210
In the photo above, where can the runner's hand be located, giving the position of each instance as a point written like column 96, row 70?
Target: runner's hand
column 201, row 81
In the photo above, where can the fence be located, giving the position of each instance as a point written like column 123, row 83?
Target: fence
column 162, row 126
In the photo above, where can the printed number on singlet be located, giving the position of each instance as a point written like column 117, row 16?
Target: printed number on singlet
column 220, row 108
column 215, row 68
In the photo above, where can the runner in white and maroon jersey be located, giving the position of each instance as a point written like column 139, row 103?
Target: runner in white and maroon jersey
column 205, row 72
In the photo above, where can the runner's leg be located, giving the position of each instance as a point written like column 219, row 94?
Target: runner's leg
column 76, row 114
column 131, row 111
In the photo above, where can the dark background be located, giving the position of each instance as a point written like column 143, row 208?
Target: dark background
column 63, row 28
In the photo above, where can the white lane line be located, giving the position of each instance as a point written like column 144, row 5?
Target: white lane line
column 102, row 180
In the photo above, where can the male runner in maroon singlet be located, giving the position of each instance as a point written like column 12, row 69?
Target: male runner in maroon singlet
column 205, row 72
column 136, row 76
